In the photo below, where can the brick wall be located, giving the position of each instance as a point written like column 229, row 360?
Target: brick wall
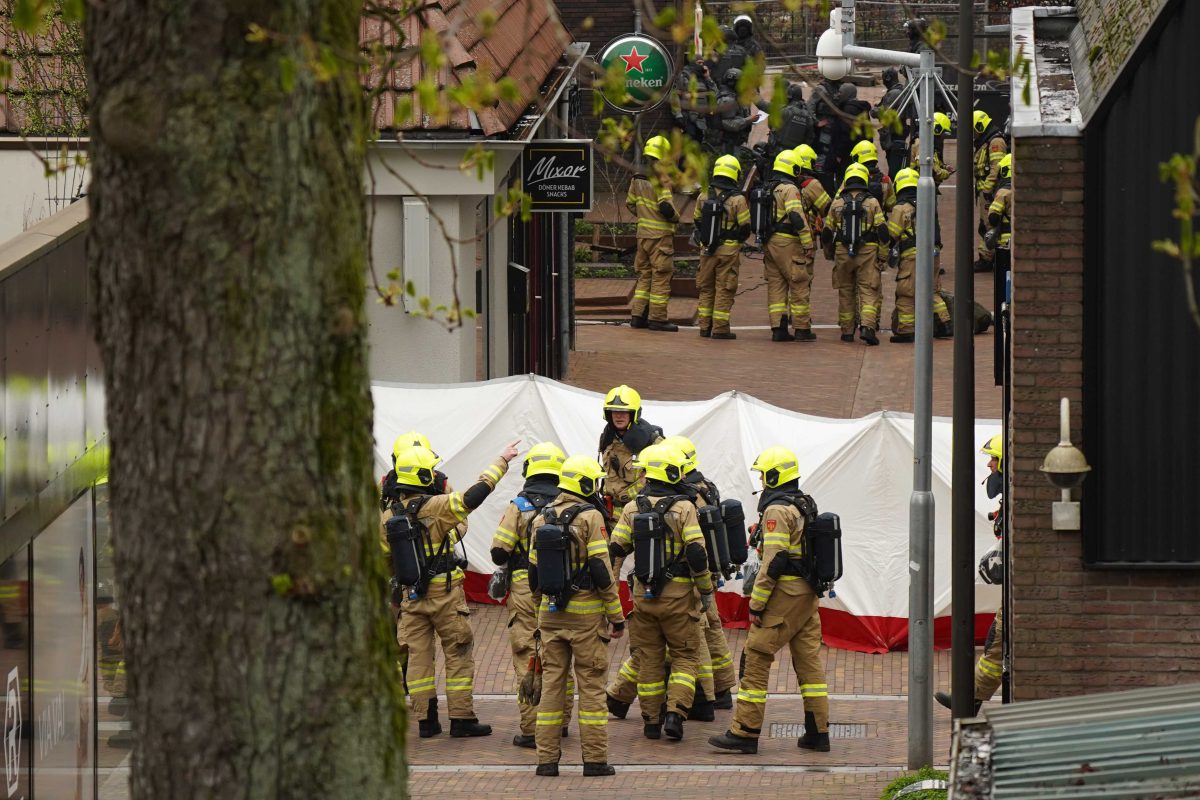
column 1074, row 631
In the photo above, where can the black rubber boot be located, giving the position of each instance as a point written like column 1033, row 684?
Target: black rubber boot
column 805, row 335
column 702, row 708
column 817, row 742
column 652, row 730
column 669, row 327
column 982, row 265
column 731, row 741
column 868, row 336
column 638, row 321
column 430, row 726
column 847, row 337
column 524, row 740
column 616, row 707
column 813, row 739
column 673, row 725
column 565, row 734
column 548, row 770
column 705, row 332
column 901, row 338
column 944, row 699
column 462, row 728
column 724, row 335
column 594, row 769
column 781, row 334
column 943, row 330
column 723, row 700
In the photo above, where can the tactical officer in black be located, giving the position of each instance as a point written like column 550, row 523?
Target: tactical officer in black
column 733, row 118
column 796, row 126
column 693, row 101
column 894, row 143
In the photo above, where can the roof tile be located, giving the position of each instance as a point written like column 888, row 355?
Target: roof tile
column 525, row 44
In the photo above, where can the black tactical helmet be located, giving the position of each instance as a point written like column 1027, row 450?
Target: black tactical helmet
column 743, row 26
column 890, row 77
column 731, row 77
column 847, row 91
column 795, row 92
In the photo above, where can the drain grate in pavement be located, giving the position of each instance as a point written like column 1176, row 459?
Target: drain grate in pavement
column 837, row 730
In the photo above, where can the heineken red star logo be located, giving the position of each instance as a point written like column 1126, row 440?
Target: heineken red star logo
column 646, row 67
column 633, row 60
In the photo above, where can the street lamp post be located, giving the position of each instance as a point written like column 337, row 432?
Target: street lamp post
column 835, row 50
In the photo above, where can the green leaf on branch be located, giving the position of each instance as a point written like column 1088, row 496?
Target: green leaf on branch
column 287, row 74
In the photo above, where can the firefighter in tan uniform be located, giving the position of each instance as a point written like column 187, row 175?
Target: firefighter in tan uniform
column 902, row 228
column 420, row 527
column 941, row 126
column 721, row 675
column 815, row 202
column 511, row 546
column 989, row 669
column 579, row 611
column 990, row 149
column 660, row 528
column 1000, row 213
column 856, row 225
column 717, row 278
column 716, row 671
column 388, row 493
column 651, row 201
column 624, row 436
column 788, row 286
column 782, row 606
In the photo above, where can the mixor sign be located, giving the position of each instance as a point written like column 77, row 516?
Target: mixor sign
column 647, row 68
column 557, row 174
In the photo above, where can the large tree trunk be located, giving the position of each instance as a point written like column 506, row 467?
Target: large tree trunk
column 227, row 247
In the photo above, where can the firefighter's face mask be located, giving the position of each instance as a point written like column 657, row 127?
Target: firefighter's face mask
column 620, row 420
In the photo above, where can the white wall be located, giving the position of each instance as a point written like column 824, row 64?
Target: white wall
column 25, row 189
column 425, row 220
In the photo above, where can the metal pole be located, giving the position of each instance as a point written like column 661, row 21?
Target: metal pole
column 566, row 260
column 920, row 515
column 962, row 545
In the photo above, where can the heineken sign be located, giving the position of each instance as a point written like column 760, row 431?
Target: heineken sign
column 557, row 174
column 647, row 68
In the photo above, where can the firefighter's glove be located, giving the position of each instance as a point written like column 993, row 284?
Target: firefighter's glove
column 706, row 601
column 755, row 617
column 397, row 593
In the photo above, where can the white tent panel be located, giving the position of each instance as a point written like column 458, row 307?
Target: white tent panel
column 859, row 468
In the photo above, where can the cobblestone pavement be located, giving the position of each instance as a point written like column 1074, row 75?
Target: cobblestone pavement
column 868, row 708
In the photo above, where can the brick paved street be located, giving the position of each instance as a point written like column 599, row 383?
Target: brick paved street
column 867, row 692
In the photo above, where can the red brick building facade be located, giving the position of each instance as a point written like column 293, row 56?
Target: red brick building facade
column 1083, row 619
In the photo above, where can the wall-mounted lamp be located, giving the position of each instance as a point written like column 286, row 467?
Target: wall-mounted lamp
column 1066, row 467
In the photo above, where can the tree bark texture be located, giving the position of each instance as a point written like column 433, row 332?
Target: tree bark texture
column 228, row 251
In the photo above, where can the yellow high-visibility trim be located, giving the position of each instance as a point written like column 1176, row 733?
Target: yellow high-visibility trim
column 683, row 679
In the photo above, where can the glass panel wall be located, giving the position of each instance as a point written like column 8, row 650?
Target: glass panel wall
column 63, row 656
